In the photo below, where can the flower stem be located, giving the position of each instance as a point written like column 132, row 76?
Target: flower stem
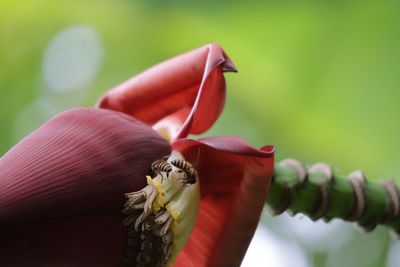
column 319, row 193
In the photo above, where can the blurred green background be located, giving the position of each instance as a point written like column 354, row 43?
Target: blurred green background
column 317, row 79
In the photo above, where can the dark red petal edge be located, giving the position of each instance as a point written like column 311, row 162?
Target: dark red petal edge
column 230, row 144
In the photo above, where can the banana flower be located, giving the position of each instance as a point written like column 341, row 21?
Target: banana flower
column 121, row 184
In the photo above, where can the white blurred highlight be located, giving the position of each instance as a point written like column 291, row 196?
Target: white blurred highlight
column 319, row 236
column 71, row 62
column 72, row 59
column 268, row 250
column 394, row 255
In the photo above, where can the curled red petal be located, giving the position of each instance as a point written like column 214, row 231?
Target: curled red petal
column 193, row 81
column 234, row 180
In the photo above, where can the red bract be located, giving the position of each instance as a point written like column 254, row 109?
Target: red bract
column 234, row 181
column 62, row 187
column 181, row 96
column 186, row 95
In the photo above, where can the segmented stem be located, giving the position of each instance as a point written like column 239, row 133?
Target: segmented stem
column 319, row 193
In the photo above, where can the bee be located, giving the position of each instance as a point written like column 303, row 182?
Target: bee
column 161, row 166
column 191, row 173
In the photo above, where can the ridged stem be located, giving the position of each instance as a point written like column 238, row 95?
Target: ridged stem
column 319, row 193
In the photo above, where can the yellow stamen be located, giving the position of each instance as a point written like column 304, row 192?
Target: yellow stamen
column 168, row 208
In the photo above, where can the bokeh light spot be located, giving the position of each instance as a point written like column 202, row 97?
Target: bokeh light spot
column 394, row 255
column 72, row 59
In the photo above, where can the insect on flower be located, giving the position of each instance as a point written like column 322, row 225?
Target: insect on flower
column 190, row 172
column 184, row 202
column 160, row 166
